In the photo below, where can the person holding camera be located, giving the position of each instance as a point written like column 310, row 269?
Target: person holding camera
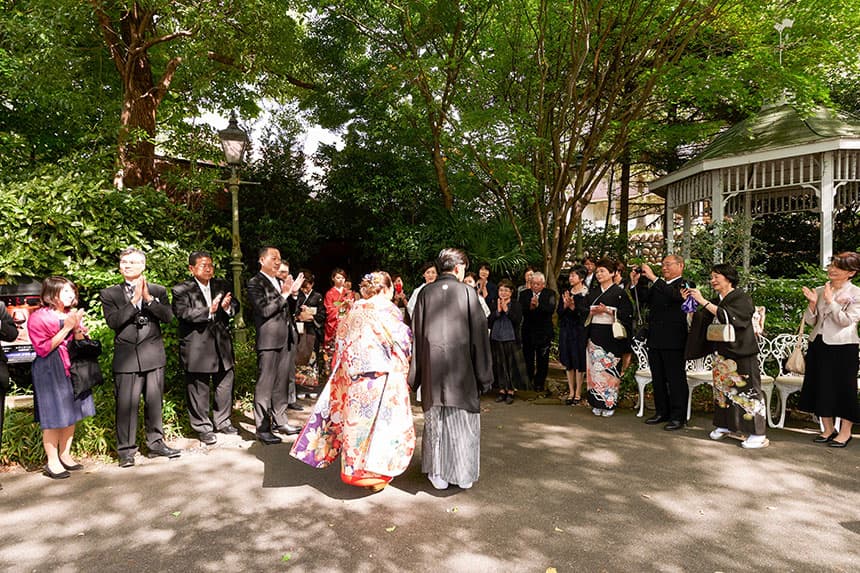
column 667, row 336
column 134, row 310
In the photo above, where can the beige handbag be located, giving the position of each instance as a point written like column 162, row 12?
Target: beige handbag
column 719, row 332
column 796, row 362
column 618, row 330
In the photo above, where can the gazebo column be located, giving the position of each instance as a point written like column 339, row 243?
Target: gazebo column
column 686, row 247
column 825, row 203
column 747, row 229
column 717, row 209
column 669, row 222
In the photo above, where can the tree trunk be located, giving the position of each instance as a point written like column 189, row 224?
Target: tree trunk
column 129, row 37
column 624, row 206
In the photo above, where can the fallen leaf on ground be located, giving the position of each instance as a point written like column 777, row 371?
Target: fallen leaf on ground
column 176, row 513
column 390, row 529
column 646, row 496
column 559, row 530
column 551, row 570
column 286, row 557
column 770, row 507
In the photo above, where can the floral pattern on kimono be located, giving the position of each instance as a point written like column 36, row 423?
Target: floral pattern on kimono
column 731, row 387
column 364, row 414
column 603, row 376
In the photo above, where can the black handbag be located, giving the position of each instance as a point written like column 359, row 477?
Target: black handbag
column 698, row 345
column 85, row 370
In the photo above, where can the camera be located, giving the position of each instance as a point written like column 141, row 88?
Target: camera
column 637, row 270
column 141, row 320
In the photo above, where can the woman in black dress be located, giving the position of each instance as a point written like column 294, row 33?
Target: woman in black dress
column 739, row 406
column 830, row 383
column 572, row 312
column 607, row 304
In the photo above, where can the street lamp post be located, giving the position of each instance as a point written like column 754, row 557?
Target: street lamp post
column 234, row 141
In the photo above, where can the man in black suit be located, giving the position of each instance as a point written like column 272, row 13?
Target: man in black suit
column 134, row 310
column 667, row 335
column 538, row 304
column 284, row 275
column 273, row 304
column 204, row 306
column 8, row 333
column 310, row 314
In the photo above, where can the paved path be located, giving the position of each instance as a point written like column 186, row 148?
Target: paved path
column 559, row 488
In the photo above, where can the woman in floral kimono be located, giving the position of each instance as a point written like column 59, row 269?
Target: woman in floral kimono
column 739, row 405
column 607, row 304
column 364, row 413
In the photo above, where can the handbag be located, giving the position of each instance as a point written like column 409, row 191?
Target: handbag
column 796, row 362
column 85, row 371
column 721, row 332
column 619, row 332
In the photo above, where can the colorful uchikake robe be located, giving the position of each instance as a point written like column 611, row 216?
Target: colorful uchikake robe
column 364, row 413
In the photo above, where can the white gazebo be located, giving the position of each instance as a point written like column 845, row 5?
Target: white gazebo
column 778, row 161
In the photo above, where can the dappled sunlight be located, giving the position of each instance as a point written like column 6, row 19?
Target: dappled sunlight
column 558, row 488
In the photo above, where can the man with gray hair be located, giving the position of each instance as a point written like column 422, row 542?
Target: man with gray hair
column 667, row 336
column 134, row 310
column 452, row 365
column 538, row 305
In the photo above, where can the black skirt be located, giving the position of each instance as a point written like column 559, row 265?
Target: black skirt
column 830, row 383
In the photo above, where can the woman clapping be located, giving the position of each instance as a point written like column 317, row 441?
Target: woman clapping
column 830, row 383
column 57, row 409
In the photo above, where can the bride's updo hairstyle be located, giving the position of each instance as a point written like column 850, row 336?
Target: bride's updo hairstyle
column 373, row 283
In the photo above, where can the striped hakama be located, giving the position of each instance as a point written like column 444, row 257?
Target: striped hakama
column 451, row 445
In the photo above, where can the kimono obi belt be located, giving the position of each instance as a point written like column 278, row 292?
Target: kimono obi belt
column 601, row 318
column 374, row 357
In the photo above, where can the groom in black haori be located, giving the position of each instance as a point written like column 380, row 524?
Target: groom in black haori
column 452, row 364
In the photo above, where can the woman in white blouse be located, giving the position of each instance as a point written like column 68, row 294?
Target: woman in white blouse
column 830, row 383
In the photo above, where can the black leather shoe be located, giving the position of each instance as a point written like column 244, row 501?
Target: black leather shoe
column 287, row 429
column 207, row 438
column 268, row 438
column 163, row 451
column 73, row 467
column 825, row 439
column 229, row 429
column 295, row 406
column 501, row 397
column 658, row 419
column 126, row 461
column 837, row 444
column 62, row 475
column 673, row 425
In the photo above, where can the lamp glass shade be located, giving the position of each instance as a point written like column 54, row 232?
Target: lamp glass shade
column 234, row 141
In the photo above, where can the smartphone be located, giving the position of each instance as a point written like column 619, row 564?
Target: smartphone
column 398, row 288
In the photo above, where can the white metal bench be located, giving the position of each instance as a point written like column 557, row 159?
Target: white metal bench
column 698, row 373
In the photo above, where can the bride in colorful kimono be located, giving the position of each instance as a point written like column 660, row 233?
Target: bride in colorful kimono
column 364, row 414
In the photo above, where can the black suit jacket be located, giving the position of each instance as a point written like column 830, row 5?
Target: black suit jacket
column 137, row 347
column 273, row 314
column 8, row 333
column 313, row 299
column 204, row 343
column 667, row 323
column 537, row 323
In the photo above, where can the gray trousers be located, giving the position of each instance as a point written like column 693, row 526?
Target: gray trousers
column 273, row 390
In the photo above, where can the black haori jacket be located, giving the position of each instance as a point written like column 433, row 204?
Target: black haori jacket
column 451, row 361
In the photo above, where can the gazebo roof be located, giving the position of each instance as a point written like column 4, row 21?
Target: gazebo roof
column 775, row 132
